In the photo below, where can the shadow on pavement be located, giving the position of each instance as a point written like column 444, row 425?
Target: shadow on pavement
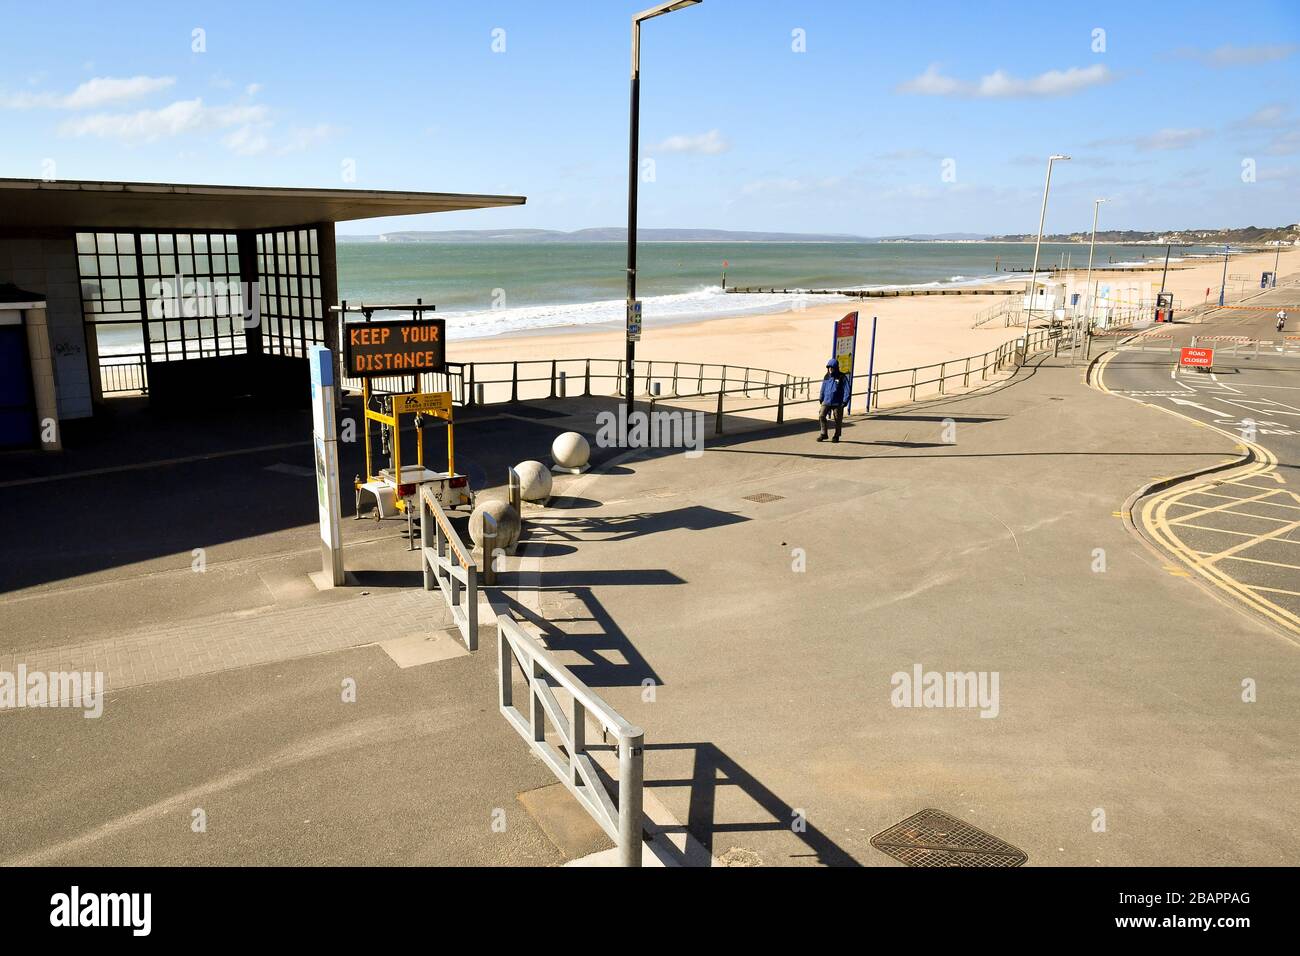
column 712, row 770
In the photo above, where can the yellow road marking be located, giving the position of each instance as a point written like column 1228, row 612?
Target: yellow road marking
column 1271, row 504
column 1259, row 539
column 1239, row 514
column 1154, row 518
column 1260, row 587
column 1211, row 510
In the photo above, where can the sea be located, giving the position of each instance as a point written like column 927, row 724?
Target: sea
column 487, row 289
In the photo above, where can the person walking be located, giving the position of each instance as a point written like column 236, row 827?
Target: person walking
column 834, row 396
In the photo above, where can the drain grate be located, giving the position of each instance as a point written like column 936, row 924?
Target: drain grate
column 763, row 497
column 933, row 838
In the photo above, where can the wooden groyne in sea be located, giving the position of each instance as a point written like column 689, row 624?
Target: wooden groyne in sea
column 871, row 293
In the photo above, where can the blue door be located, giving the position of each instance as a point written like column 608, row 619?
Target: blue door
column 17, row 406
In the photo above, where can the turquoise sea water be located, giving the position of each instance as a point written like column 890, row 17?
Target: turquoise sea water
column 491, row 288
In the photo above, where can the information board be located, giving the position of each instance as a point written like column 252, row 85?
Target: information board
column 373, row 349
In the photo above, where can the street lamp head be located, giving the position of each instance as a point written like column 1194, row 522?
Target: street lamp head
column 663, row 8
column 1056, row 156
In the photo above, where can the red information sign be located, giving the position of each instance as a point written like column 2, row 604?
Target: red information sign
column 1196, row 358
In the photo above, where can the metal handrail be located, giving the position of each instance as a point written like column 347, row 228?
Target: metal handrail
column 618, row 814
column 449, row 566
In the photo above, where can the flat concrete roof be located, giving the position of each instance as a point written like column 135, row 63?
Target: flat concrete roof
column 36, row 204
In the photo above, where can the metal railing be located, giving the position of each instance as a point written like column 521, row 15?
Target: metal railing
column 119, row 374
column 619, row 814
column 921, row 382
column 502, row 382
column 449, row 566
column 1234, row 345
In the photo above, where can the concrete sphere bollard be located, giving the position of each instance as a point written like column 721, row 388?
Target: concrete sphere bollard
column 499, row 514
column 570, row 450
column 534, row 480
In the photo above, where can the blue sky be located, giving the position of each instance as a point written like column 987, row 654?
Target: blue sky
column 892, row 118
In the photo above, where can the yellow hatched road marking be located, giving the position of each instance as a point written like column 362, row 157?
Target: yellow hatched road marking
column 1154, row 518
column 1259, row 539
column 1260, row 587
column 1239, row 514
column 1211, row 510
column 1237, row 557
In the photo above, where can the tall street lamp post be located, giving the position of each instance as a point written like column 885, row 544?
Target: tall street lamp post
column 1042, row 218
column 1223, row 288
column 1087, row 284
column 634, row 137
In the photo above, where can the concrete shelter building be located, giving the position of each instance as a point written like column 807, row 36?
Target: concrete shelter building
column 182, row 292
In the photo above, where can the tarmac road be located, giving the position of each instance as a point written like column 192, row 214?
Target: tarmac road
column 1238, row 531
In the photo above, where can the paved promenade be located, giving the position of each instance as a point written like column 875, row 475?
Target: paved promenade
column 750, row 608
column 771, row 588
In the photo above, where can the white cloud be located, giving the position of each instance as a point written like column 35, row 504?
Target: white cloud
column 1266, row 117
column 1171, row 139
column 96, row 92
column 790, row 186
column 932, row 83
column 708, row 144
column 1284, row 144
column 1000, row 84
column 147, row 126
column 1229, row 55
column 253, row 89
column 305, row 137
column 247, row 140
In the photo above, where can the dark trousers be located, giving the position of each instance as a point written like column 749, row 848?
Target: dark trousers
column 828, row 412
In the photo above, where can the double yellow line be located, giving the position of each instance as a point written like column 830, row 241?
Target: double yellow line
column 1155, row 515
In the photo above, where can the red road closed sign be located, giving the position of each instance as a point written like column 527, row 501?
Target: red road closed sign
column 1196, row 358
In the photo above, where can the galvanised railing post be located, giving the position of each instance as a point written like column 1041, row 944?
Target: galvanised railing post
column 586, row 380
column 428, row 531
column 470, row 398
column 699, row 387
column 717, row 419
column 780, row 406
column 553, row 366
column 514, row 381
column 943, row 371
column 578, row 728
column 913, row 385
column 965, row 382
column 675, row 392
column 631, row 776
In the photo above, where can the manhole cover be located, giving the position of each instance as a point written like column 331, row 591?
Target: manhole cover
column 763, row 497
column 933, row 838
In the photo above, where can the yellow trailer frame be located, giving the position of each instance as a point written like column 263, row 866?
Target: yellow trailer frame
column 416, row 404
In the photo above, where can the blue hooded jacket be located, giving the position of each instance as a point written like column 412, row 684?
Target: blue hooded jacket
column 835, row 391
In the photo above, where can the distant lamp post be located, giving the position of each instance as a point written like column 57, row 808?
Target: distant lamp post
column 634, row 138
column 1042, row 218
column 1223, row 289
column 1087, row 285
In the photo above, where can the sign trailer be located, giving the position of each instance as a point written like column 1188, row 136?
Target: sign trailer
column 398, row 349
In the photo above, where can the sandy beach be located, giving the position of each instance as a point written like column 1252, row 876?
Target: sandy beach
column 912, row 330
